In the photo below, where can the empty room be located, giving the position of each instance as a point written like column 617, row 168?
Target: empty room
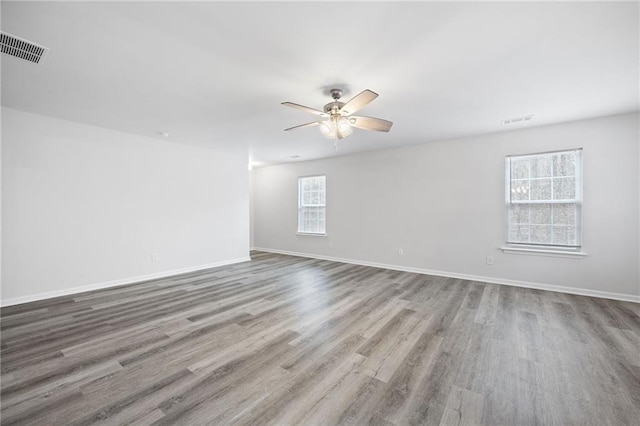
column 320, row 213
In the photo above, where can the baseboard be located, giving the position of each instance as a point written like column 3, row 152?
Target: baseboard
column 115, row 283
column 491, row 280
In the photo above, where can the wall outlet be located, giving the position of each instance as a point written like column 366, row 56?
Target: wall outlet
column 155, row 257
column 489, row 260
column 330, row 245
column 401, row 252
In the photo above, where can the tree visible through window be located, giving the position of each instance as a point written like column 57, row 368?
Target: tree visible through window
column 544, row 199
column 311, row 204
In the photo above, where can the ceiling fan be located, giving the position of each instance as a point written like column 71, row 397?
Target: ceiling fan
column 337, row 121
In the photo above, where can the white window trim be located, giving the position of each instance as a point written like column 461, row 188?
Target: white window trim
column 544, row 250
column 312, row 234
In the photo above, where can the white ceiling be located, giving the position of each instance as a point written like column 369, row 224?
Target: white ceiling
column 215, row 73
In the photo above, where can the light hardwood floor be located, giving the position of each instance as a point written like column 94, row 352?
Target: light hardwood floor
column 287, row 340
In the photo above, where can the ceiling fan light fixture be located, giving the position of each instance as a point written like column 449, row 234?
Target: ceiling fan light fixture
column 344, row 127
column 329, row 129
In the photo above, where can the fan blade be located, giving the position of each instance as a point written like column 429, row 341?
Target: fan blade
column 370, row 123
column 315, row 123
column 305, row 109
column 358, row 101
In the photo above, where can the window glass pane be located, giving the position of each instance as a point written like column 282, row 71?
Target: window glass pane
column 519, row 190
column 541, row 189
column 541, row 166
column 519, row 169
column 564, row 214
column 564, row 188
column 541, row 214
column 519, row 213
column 564, row 164
column 541, row 234
column 560, row 235
column 564, row 235
column 572, row 235
column 519, row 233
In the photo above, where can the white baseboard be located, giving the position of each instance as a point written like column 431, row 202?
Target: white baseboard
column 491, row 280
column 115, row 283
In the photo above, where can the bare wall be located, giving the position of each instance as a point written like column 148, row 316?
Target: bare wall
column 443, row 204
column 83, row 206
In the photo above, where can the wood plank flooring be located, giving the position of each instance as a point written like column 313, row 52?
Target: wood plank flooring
column 287, row 340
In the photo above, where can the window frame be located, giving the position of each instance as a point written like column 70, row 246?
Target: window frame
column 300, row 206
column 541, row 248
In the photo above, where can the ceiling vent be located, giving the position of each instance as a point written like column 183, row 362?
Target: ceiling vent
column 522, row 119
column 21, row 48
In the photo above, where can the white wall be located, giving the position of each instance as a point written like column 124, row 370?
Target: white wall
column 84, row 206
column 443, row 203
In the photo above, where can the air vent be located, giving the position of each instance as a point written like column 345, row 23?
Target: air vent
column 21, row 48
column 517, row 119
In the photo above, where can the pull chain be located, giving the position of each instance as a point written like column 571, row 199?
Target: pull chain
column 335, row 137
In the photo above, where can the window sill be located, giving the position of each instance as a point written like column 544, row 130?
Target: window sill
column 310, row 234
column 543, row 252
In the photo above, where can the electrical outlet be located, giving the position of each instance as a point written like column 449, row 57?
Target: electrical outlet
column 401, row 252
column 330, row 245
column 155, row 257
column 489, row 260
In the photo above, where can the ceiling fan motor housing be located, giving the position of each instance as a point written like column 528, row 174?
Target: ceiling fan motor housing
column 333, row 107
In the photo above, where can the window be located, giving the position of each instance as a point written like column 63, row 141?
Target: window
column 544, row 199
column 311, row 205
